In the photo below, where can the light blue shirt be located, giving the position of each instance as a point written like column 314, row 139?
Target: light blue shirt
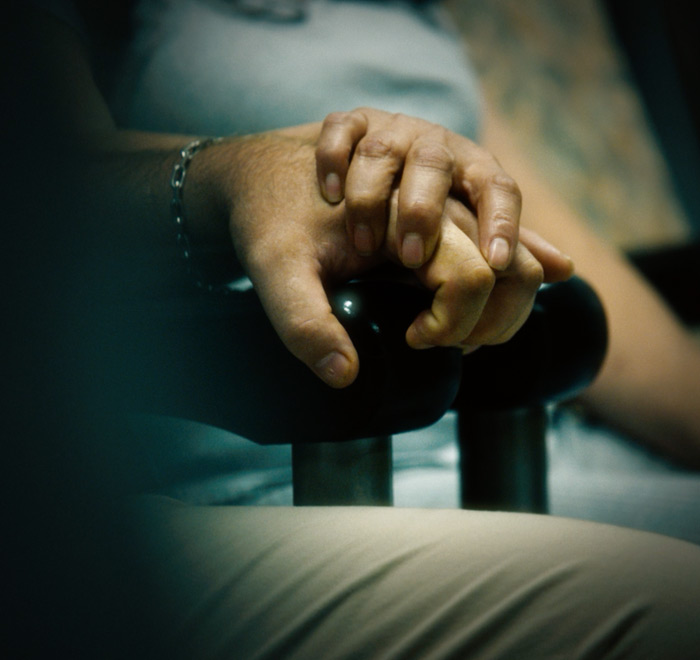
column 199, row 66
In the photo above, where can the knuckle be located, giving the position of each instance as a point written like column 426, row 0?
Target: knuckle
column 354, row 119
column 421, row 210
column 433, row 155
column 300, row 332
column 337, row 119
column 379, row 144
column 363, row 110
column 479, row 281
column 398, row 118
column 361, row 203
column 531, row 274
column 335, row 144
column 341, row 125
column 504, row 183
column 475, row 285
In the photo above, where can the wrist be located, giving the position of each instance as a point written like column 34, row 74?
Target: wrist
column 199, row 212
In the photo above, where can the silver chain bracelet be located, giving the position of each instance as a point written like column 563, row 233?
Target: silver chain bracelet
column 177, row 186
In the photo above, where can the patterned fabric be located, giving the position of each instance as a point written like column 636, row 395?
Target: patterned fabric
column 553, row 69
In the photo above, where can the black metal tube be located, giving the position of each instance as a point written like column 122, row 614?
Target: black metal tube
column 504, row 460
column 356, row 472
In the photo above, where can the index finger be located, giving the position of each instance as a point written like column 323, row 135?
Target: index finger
column 462, row 282
column 340, row 133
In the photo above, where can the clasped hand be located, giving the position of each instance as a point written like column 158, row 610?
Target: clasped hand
column 315, row 205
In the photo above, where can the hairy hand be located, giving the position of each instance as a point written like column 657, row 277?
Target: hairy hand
column 294, row 245
column 363, row 155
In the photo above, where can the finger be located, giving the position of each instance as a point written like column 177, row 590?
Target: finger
column 425, row 185
column 510, row 302
column 378, row 158
column 498, row 202
column 340, row 133
column 557, row 265
column 462, row 282
column 296, row 303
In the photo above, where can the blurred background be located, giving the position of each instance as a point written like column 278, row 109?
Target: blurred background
column 604, row 95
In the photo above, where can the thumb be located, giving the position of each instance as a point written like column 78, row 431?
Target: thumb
column 296, row 303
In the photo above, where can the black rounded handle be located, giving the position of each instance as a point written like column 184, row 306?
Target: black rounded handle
column 219, row 361
column 398, row 388
column 224, row 365
column 558, row 352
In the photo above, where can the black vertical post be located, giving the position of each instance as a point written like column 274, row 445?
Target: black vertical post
column 503, row 459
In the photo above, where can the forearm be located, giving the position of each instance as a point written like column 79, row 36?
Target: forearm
column 123, row 198
column 111, row 186
column 650, row 382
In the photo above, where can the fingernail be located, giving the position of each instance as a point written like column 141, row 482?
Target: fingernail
column 333, row 369
column 412, row 250
column 364, row 240
column 468, row 348
column 332, row 185
column 498, row 253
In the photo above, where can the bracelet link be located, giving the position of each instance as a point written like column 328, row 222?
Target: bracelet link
column 177, row 179
column 177, row 207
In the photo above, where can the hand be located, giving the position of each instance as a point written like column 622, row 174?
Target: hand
column 294, row 245
column 473, row 304
column 361, row 154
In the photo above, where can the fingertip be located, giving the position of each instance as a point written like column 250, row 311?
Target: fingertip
column 332, row 189
column 336, row 369
column 565, row 272
column 499, row 254
column 557, row 266
column 415, row 339
column 413, row 250
column 569, row 265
